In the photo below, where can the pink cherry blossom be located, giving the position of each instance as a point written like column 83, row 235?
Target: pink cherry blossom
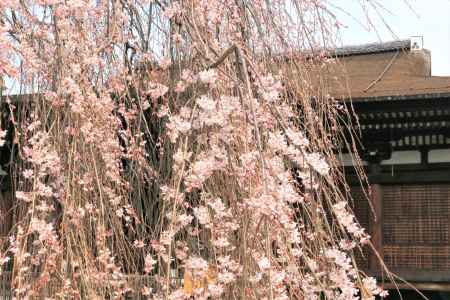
column 149, row 263
column 172, row 138
column 157, row 90
column 208, row 76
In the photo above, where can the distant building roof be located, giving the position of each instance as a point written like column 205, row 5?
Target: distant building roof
column 373, row 48
column 395, row 72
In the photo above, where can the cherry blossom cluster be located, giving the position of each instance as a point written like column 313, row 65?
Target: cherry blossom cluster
column 175, row 149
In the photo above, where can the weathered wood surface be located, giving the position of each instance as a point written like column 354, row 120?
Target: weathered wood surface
column 6, row 216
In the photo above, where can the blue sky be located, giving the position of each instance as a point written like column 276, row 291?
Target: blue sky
column 406, row 18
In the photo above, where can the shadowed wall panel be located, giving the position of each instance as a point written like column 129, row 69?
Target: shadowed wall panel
column 361, row 209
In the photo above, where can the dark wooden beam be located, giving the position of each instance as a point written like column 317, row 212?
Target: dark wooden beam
column 393, row 98
column 409, row 105
column 416, row 147
column 403, row 177
column 414, row 275
column 421, row 286
column 398, row 177
column 395, row 133
column 375, row 226
column 401, row 120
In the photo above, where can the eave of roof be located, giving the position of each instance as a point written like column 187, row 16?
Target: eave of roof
column 398, row 88
column 430, row 96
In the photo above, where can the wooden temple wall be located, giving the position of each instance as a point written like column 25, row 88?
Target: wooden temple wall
column 412, row 231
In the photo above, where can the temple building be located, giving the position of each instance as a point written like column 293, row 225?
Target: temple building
column 403, row 117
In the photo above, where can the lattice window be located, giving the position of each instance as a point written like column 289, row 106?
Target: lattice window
column 416, row 220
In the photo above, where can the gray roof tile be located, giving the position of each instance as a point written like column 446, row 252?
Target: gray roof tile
column 373, row 48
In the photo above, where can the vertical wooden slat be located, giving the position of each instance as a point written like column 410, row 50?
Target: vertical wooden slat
column 6, row 204
column 375, row 225
column 6, row 219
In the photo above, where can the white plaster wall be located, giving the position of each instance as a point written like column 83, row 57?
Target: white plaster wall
column 402, row 158
column 439, row 156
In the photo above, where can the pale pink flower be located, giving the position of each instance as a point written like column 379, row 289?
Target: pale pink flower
column 70, row 130
column 218, row 207
column 44, row 190
column 177, row 38
column 165, row 63
column 221, row 242
column 187, row 76
column 149, row 263
column 318, row 163
column 206, row 103
column 196, row 264
column 297, row 138
column 256, row 278
column 23, row 196
column 278, row 277
column 27, row 151
column 347, row 244
column 264, row 263
column 185, row 112
column 180, row 87
column 348, row 220
column 2, row 136
column 383, row 294
column 45, row 230
column 167, row 237
column 172, row 10
column 4, row 260
column 146, row 291
column 226, row 277
column 208, row 76
column 178, row 295
column 184, row 219
column 147, row 56
column 157, row 90
column 145, row 105
column 215, row 290
column 119, row 212
column 340, row 258
column 270, row 88
column 202, row 215
column 139, row 244
column 163, row 111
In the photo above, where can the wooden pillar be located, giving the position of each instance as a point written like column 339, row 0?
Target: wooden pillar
column 376, row 216
column 376, row 226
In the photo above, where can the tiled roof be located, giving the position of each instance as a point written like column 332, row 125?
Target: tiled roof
column 373, row 48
